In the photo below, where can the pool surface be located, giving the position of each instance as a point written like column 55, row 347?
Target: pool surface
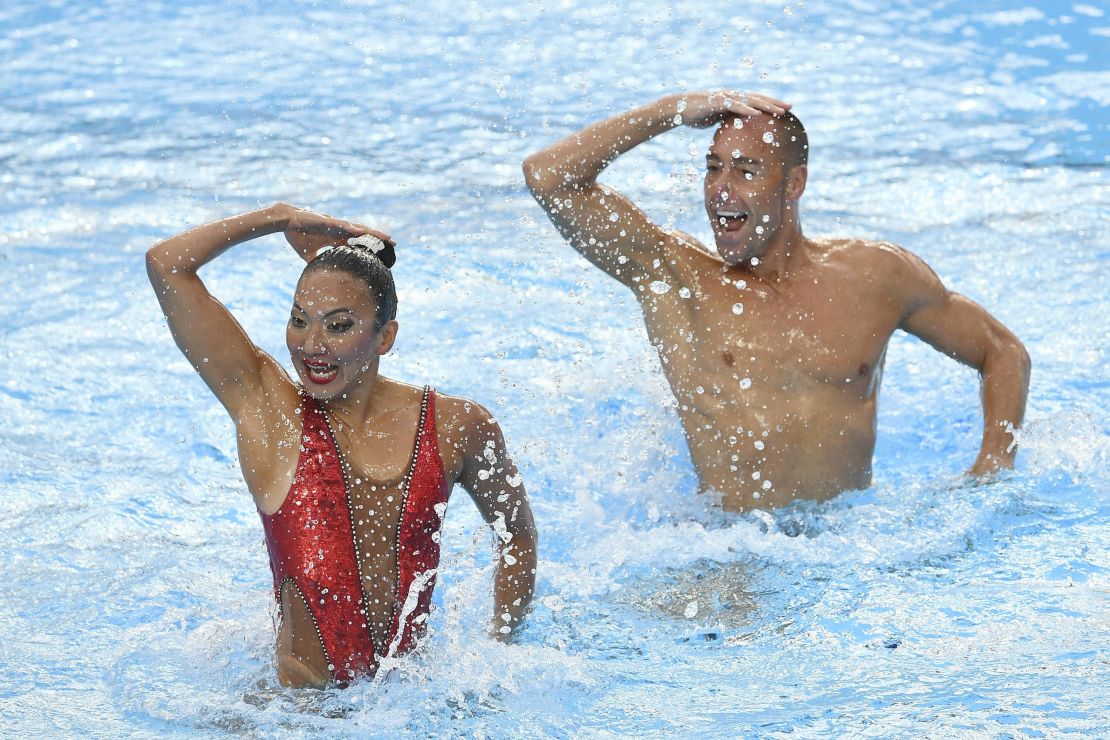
column 136, row 593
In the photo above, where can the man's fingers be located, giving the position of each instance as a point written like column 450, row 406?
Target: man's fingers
column 767, row 104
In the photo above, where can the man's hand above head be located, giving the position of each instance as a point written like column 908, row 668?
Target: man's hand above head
column 705, row 109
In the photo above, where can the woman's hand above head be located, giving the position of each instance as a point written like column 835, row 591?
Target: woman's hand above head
column 705, row 109
column 308, row 232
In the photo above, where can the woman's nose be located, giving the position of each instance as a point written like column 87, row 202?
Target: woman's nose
column 313, row 341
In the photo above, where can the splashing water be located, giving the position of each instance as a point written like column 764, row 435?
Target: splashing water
column 139, row 600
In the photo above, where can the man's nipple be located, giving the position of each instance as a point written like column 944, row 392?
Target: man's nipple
column 863, row 368
column 728, row 358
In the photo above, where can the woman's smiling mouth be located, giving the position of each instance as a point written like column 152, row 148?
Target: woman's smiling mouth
column 320, row 373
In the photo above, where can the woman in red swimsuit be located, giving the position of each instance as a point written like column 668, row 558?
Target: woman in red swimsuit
column 350, row 470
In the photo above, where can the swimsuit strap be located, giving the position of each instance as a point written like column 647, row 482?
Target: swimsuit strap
column 423, row 507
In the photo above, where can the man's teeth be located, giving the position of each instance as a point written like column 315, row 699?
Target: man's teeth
column 730, row 214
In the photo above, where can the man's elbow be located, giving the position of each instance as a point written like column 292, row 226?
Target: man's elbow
column 533, row 175
column 155, row 270
column 1010, row 352
column 1024, row 361
column 543, row 181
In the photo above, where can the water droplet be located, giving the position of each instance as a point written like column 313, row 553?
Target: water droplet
column 659, row 287
column 766, row 485
column 738, row 308
column 684, row 292
column 736, row 154
column 746, row 383
column 766, row 218
column 681, row 106
column 759, row 444
column 768, row 137
column 700, row 389
column 691, row 610
column 759, row 229
column 614, row 217
column 755, row 261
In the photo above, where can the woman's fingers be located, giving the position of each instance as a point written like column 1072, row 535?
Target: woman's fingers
column 360, row 229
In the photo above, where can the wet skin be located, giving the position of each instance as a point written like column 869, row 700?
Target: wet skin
column 773, row 344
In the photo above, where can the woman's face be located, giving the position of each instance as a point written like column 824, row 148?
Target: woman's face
column 332, row 336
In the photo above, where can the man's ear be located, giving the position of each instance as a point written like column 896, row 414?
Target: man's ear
column 796, row 181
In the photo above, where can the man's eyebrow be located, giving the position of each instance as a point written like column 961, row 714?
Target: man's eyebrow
column 741, row 159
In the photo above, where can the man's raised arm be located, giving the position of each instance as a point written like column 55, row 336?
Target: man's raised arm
column 604, row 226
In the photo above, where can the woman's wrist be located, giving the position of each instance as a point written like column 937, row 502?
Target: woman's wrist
column 278, row 215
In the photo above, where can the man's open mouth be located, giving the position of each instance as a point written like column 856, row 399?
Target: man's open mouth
column 728, row 220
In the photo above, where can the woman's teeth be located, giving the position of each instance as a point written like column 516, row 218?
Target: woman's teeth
column 321, row 374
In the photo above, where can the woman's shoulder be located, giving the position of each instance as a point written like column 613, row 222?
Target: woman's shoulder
column 459, row 412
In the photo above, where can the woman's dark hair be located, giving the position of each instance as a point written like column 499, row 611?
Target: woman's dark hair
column 368, row 266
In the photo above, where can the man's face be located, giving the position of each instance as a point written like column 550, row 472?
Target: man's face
column 745, row 188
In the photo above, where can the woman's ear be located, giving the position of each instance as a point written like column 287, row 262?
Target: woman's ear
column 388, row 336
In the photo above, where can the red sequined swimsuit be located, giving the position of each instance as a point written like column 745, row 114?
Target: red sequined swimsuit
column 311, row 540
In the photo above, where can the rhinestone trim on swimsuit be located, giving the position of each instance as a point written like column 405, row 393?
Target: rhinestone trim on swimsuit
column 406, row 482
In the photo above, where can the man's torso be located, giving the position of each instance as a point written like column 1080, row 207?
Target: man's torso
column 776, row 383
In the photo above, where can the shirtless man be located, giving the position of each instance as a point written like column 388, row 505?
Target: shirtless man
column 774, row 344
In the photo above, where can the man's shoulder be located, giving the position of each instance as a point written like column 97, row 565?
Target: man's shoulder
column 875, row 256
column 887, row 267
column 681, row 247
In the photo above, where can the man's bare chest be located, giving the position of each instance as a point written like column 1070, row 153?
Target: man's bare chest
column 826, row 331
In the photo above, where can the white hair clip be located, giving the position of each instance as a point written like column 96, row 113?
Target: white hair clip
column 371, row 242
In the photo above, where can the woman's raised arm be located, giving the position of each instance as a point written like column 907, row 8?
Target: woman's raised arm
column 209, row 336
column 205, row 331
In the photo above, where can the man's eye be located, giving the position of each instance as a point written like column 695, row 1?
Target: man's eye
column 340, row 326
column 296, row 321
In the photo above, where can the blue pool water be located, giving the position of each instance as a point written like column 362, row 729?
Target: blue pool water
column 136, row 595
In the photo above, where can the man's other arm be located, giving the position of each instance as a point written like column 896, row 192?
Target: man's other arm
column 962, row 329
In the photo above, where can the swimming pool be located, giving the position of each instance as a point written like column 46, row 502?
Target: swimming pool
column 136, row 598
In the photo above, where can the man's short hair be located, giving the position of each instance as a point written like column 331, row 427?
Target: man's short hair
column 795, row 142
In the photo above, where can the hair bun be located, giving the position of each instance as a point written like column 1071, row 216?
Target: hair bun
column 374, row 246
